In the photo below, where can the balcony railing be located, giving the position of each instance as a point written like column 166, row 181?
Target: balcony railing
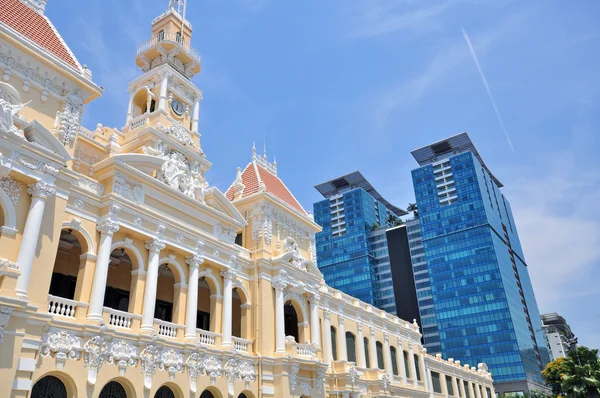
column 206, row 338
column 242, row 345
column 139, row 121
column 168, row 329
column 169, row 37
column 306, row 350
column 63, row 307
column 120, row 319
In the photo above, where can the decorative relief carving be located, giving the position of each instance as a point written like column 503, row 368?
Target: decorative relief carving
column 320, row 379
column 237, row 369
column 68, row 121
column 8, row 112
column 6, row 265
column 203, row 364
column 290, row 246
column 62, row 345
column 94, row 355
column 149, row 359
column 108, row 227
column 28, row 161
column 128, row 191
column 293, row 376
column 226, row 234
column 5, row 313
column 90, row 186
column 12, row 188
column 179, row 133
column 41, row 190
column 29, row 73
column 172, row 361
column 122, row 354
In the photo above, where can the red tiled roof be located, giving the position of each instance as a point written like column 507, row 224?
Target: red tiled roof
column 36, row 28
column 251, row 180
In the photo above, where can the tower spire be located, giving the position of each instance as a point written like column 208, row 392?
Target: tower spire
column 177, row 5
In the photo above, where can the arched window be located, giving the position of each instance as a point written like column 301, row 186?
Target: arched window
column 379, row 355
column 290, row 317
column 367, row 357
column 160, row 36
column 179, row 38
column 334, row 344
column 113, row 390
column 164, row 392
column 418, row 369
column 351, row 347
column 49, row 387
column 406, row 365
column 394, row 360
column 207, row 394
column 242, row 395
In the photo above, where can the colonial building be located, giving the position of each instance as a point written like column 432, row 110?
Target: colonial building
column 123, row 273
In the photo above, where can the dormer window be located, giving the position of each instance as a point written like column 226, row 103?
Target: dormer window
column 160, row 36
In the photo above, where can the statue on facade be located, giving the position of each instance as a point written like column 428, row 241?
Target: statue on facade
column 173, row 170
column 8, row 112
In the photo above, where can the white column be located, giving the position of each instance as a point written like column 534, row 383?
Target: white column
column 413, row 366
column 402, row 365
column 361, row 347
column 477, row 390
column 429, row 382
column 461, row 385
column 227, row 303
column 387, row 356
column 107, row 229
column 191, row 311
column 154, row 247
column 130, row 108
column 373, row 349
column 279, row 317
column 343, row 350
column 162, row 100
column 196, row 115
column 454, row 386
column 471, row 392
column 315, row 332
column 328, row 355
column 29, row 242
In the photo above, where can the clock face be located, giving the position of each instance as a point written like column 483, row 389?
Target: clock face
column 177, row 107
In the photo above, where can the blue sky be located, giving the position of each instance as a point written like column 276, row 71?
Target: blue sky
column 341, row 85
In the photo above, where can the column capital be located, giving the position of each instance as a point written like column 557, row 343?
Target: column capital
column 108, row 227
column 327, row 314
column 359, row 328
column 279, row 285
column 155, row 245
column 195, row 261
column 41, row 190
column 341, row 320
column 228, row 274
column 372, row 332
column 315, row 298
column 386, row 338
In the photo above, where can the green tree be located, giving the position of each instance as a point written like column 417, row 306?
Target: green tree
column 577, row 376
column 553, row 373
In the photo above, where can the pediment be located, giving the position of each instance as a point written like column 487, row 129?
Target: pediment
column 219, row 202
column 145, row 163
column 36, row 133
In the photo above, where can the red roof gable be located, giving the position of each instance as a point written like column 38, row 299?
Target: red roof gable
column 253, row 174
column 37, row 28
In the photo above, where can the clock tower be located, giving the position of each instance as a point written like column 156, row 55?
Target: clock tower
column 164, row 104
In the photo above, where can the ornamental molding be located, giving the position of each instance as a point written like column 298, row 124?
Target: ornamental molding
column 320, row 379
column 203, row 364
column 226, row 234
column 262, row 223
column 90, row 186
column 179, row 134
column 150, row 360
column 5, row 313
column 129, row 191
column 12, row 188
column 29, row 75
column 41, row 190
column 237, row 369
column 108, row 227
column 68, row 121
column 123, row 355
column 172, row 361
column 28, row 161
column 6, row 265
column 178, row 172
column 293, row 376
column 61, row 345
column 94, row 354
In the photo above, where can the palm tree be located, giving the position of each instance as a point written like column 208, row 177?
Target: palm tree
column 412, row 207
column 582, row 374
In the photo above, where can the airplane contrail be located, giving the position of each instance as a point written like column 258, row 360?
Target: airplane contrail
column 487, row 87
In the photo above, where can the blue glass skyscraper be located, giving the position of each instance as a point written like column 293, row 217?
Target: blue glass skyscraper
column 484, row 307
column 352, row 249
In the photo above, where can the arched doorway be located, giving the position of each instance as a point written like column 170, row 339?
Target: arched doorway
column 165, row 293
column 291, row 321
column 203, row 318
column 66, row 266
column 207, row 394
column 164, row 392
column 236, row 314
column 118, row 282
column 49, row 387
column 113, row 390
